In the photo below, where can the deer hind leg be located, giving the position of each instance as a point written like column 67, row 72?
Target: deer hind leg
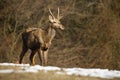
column 32, row 57
column 24, row 50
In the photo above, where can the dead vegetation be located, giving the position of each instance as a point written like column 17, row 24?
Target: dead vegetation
column 42, row 75
column 90, row 39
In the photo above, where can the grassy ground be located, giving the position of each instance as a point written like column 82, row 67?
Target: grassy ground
column 42, row 76
column 51, row 75
column 91, row 38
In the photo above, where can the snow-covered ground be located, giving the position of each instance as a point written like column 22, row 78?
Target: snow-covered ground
column 102, row 73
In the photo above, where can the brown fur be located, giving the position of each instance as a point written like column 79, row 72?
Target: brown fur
column 39, row 40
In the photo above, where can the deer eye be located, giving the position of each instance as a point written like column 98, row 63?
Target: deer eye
column 54, row 22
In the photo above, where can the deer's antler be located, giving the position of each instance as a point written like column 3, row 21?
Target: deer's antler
column 58, row 16
column 51, row 13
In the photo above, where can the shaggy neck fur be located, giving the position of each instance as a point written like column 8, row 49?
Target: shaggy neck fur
column 51, row 31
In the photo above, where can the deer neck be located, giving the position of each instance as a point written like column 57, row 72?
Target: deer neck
column 51, row 32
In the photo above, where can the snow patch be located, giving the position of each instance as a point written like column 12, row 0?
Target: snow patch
column 7, row 71
column 12, row 64
column 102, row 73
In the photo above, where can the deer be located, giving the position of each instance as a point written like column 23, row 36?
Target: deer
column 39, row 40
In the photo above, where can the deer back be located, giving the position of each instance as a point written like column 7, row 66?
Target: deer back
column 36, row 37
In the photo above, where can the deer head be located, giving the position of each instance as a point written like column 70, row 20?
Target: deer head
column 55, row 21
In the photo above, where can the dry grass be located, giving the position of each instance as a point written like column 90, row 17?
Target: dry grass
column 41, row 75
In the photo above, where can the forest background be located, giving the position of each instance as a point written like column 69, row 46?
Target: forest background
column 91, row 37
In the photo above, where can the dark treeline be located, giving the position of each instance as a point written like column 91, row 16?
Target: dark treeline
column 91, row 37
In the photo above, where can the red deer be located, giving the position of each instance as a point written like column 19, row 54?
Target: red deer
column 39, row 40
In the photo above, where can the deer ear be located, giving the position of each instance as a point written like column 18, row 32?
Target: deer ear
column 51, row 18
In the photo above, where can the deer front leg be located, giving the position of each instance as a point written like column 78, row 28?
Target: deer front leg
column 46, row 57
column 32, row 57
column 40, row 53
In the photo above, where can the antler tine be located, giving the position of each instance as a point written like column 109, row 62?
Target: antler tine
column 58, row 16
column 51, row 13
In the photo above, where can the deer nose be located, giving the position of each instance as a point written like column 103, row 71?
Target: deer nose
column 62, row 27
